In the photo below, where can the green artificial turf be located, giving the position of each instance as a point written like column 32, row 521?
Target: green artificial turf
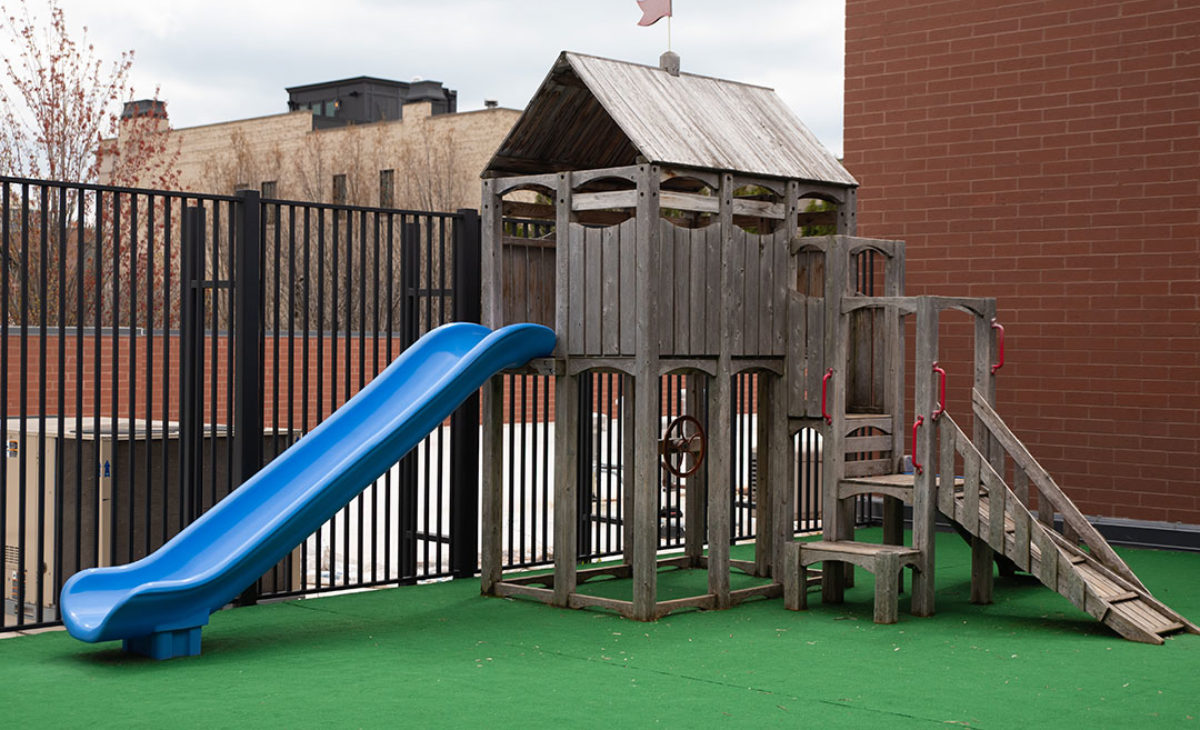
column 440, row 655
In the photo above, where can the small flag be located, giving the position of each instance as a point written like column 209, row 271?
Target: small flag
column 653, row 11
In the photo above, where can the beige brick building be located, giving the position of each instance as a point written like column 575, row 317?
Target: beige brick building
column 421, row 154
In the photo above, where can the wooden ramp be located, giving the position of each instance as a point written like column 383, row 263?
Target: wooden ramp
column 1095, row 580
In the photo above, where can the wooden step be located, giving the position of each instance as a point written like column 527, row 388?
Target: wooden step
column 885, row 561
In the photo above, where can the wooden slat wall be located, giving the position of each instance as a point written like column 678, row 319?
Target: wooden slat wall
column 601, row 306
column 760, row 306
column 528, row 281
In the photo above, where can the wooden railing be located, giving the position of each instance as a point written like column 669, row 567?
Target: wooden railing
column 1048, row 491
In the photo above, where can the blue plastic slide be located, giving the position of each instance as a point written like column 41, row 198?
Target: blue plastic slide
column 158, row 604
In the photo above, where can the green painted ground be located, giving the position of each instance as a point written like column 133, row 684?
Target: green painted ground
column 440, row 655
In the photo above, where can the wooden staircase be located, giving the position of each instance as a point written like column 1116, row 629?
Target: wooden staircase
column 1095, row 580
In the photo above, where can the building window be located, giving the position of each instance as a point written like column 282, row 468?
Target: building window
column 339, row 189
column 387, row 188
column 269, row 188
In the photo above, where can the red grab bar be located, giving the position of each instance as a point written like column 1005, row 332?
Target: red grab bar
column 1000, row 343
column 941, row 392
column 916, row 464
column 824, row 390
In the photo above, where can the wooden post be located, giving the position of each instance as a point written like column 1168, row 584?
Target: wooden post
column 720, row 413
column 833, row 521
column 982, row 556
column 646, row 380
column 566, row 413
column 566, row 474
column 491, row 548
column 924, row 489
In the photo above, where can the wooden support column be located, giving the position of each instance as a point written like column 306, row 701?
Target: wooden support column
column 566, row 414
column 834, row 512
column 982, row 555
column 924, row 452
column 491, row 548
column 646, row 381
column 720, row 446
column 566, row 475
column 893, row 395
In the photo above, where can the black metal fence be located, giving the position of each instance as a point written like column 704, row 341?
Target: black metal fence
column 159, row 347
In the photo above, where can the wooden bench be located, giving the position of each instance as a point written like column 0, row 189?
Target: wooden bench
column 885, row 561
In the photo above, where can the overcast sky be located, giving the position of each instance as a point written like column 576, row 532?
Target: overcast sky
column 218, row 60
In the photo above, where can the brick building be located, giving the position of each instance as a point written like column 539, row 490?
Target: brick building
column 1048, row 154
column 363, row 141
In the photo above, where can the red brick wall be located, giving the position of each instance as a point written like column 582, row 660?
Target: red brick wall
column 1048, row 154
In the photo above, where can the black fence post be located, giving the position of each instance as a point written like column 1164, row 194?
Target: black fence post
column 410, row 327
column 464, row 423
column 191, row 335
column 247, row 330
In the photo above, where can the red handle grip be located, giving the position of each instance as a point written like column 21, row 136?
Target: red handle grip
column 1000, row 344
column 824, row 390
column 916, row 464
column 941, row 392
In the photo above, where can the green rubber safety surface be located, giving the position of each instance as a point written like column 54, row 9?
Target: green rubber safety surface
column 440, row 655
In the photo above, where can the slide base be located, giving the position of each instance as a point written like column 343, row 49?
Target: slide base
column 165, row 644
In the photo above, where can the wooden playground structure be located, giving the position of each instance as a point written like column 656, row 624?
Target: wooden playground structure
column 682, row 209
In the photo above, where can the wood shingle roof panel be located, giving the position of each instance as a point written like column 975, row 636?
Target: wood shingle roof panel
column 594, row 112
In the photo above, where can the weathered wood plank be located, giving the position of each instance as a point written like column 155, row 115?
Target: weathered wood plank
column 610, row 267
column 997, row 499
column 627, row 235
column 491, row 548
column 971, row 486
column 1070, row 584
column 511, row 590
column 868, row 467
column 564, row 236
column 566, row 501
column 604, row 201
column 714, row 242
column 764, row 317
column 1047, row 554
column 593, row 290
column 861, row 444
column 735, row 266
column 573, row 290
column 1021, row 518
column 697, row 295
column 682, row 266
column 797, row 359
column 785, row 273
column 789, row 575
column 664, row 608
column 948, row 436
column 924, row 487
column 663, row 289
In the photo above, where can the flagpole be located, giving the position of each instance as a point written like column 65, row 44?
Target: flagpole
column 668, row 32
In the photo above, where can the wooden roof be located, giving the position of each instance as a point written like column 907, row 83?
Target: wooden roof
column 594, row 112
